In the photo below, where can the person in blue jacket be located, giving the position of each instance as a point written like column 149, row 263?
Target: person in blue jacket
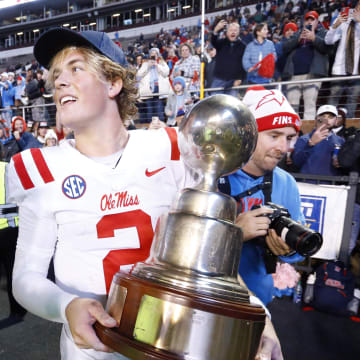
column 314, row 152
column 25, row 139
column 256, row 51
column 277, row 125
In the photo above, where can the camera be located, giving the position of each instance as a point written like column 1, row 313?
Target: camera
column 303, row 240
column 153, row 57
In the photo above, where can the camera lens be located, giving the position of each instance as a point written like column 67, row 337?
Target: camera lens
column 305, row 241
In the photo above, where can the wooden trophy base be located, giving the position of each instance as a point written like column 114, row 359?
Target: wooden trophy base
column 132, row 349
column 159, row 340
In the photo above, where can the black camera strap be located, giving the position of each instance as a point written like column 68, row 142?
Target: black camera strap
column 224, row 186
column 266, row 187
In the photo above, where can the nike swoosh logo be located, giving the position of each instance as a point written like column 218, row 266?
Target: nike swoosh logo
column 151, row 173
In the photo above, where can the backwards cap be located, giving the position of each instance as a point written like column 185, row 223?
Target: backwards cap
column 270, row 109
column 54, row 40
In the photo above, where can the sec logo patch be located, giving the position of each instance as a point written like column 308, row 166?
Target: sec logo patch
column 74, row 186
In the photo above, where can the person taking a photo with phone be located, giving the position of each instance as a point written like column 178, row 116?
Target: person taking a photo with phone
column 346, row 31
column 154, row 84
column 307, row 58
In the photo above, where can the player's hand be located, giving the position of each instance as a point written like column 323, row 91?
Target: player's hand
column 277, row 245
column 253, row 223
column 82, row 314
column 320, row 134
column 269, row 348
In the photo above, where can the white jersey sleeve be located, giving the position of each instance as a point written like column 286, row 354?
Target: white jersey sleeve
column 37, row 238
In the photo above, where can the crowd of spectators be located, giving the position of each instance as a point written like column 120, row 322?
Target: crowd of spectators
column 280, row 41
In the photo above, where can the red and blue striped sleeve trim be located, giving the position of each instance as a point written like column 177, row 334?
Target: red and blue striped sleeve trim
column 41, row 166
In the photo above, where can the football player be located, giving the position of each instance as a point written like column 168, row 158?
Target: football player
column 92, row 202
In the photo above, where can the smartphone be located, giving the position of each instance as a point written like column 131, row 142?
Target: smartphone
column 152, row 57
column 351, row 12
column 345, row 11
column 309, row 27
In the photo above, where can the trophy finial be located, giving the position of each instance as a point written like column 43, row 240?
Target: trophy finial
column 217, row 137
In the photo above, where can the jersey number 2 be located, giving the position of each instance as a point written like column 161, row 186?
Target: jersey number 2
column 106, row 228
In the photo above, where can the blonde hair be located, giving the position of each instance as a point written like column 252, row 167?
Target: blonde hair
column 105, row 70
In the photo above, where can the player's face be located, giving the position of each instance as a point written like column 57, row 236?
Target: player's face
column 80, row 96
column 271, row 146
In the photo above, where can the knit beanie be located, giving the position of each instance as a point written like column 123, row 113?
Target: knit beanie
column 270, row 109
column 179, row 80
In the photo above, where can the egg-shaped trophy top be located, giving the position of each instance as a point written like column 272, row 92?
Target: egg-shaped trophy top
column 217, row 137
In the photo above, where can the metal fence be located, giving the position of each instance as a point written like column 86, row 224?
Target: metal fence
column 346, row 95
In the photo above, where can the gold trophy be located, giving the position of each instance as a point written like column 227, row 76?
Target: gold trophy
column 185, row 301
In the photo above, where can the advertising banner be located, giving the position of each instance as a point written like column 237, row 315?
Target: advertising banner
column 324, row 208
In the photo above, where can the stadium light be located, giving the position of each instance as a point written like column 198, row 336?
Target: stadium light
column 171, row 10
column 66, row 25
column 20, row 33
column 36, row 30
column 116, row 15
column 92, row 24
column 73, row 27
column 147, row 15
column 138, row 10
column 186, row 7
column 20, row 17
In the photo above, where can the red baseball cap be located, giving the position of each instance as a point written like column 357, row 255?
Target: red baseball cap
column 291, row 26
column 312, row 14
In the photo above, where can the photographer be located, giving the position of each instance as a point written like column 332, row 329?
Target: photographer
column 154, row 84
column 307, row 58
column 261, row 181
column 346, row 32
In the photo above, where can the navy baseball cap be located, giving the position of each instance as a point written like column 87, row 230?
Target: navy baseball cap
column 54, row 40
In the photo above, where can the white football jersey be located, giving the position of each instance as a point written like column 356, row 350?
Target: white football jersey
column 95, row 217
